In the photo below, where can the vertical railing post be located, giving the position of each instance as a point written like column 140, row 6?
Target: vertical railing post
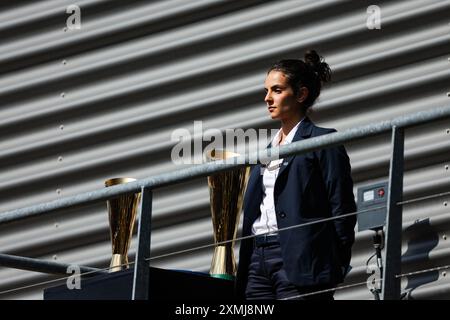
column 141, row 278
column 393, row 244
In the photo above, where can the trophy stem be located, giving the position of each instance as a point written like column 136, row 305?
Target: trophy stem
column 223, row 263
column 118, row 262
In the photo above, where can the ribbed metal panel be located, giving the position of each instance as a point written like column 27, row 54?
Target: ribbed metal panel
column 82, row 106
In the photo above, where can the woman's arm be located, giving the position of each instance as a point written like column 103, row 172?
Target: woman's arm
column 336, row 172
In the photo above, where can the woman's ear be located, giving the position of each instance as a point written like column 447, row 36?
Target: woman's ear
column 302, row 94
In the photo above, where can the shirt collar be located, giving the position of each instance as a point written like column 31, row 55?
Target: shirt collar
column 289, row 137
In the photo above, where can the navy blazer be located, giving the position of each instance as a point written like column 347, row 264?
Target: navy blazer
column 308, row 187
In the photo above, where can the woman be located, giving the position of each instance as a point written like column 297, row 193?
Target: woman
column 299, row 189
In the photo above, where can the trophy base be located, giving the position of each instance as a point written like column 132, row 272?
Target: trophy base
column 223, row 264
column 223, row 276
column 119, row 262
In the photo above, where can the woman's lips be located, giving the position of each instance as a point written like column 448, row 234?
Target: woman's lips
column 271, row 109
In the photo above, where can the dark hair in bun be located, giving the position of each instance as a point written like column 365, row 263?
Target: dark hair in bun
column 310, row 73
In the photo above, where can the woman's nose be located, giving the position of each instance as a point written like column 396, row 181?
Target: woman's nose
column 268, row 97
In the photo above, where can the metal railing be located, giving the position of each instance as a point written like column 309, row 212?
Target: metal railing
column 392, row 259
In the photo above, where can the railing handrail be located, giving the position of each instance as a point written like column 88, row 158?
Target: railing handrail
column 206, row 169
column 40, row 265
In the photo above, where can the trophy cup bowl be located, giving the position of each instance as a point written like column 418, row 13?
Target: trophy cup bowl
column 122, row 213
column 226, row 190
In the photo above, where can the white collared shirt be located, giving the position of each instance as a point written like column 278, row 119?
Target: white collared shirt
column 267, row 221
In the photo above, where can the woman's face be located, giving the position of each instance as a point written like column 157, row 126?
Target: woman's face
column 281, row 101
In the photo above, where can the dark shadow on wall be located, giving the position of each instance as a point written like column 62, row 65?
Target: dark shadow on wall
column 422, row 238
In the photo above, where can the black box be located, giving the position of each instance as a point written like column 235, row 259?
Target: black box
column 165, row 285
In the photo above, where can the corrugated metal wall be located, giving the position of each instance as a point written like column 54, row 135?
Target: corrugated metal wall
column 80, row 106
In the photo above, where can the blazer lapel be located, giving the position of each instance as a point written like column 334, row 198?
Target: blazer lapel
column 303, row 132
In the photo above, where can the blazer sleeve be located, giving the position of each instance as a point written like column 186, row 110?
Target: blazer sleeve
column 336, row 171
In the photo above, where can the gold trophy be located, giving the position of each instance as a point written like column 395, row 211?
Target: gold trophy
column 226, row 190
column 122, row 215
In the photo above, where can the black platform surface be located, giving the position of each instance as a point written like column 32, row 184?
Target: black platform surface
column 165, row 285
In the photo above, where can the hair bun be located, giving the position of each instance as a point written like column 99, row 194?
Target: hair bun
column 318, row 64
